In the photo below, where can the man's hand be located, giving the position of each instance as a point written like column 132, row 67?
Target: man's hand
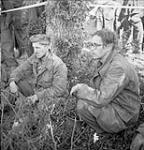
column 32, row 99
column 78, row 90
column 137, row 143
column 74, row 90
column 13, row 87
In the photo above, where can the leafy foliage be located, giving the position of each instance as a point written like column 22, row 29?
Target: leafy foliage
column 65, row 19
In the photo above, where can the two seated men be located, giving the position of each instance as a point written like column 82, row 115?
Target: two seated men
column 112, row 101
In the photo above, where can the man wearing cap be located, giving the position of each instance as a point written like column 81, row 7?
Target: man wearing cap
column 43, row 76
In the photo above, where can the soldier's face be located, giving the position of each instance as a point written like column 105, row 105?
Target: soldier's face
column 96, row 48
column 39, row 49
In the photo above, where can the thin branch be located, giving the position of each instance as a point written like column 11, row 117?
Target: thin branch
column 73, row 133
column 79, row 135
column 51, row 129
column 2, row 109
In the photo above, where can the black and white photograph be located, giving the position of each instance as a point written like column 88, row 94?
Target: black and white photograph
column 72, row 74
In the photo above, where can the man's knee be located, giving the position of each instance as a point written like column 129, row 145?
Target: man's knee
column 81, row 105
column 82, row 109
column 25, row 88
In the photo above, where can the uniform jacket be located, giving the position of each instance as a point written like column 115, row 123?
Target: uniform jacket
column 49, row 77
column 113, row 97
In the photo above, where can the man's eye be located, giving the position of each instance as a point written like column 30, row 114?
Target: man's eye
column 97, row 45
column 87, row 45
column 93, row 44
column 92, row 17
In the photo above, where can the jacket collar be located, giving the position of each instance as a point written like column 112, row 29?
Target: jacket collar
column 105, row 63
column 46, row 63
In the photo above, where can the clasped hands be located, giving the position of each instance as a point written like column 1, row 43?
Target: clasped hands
column 77, row 90
column 14, row 89
column 32, row 99
column 80, row 90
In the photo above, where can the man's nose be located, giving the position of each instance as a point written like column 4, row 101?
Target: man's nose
column 36, row 50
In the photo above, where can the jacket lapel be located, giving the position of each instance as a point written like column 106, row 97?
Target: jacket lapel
column 99, row 74
column 106, row 64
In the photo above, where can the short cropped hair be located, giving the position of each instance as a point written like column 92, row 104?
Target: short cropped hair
column 107, row 36
column 41, row 38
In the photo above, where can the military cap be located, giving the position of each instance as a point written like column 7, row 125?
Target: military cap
column 41, row 38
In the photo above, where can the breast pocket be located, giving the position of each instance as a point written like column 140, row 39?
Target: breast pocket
column 45, row 80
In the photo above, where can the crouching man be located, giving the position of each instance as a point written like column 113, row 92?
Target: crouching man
column 112, row 101
column 43, row 76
